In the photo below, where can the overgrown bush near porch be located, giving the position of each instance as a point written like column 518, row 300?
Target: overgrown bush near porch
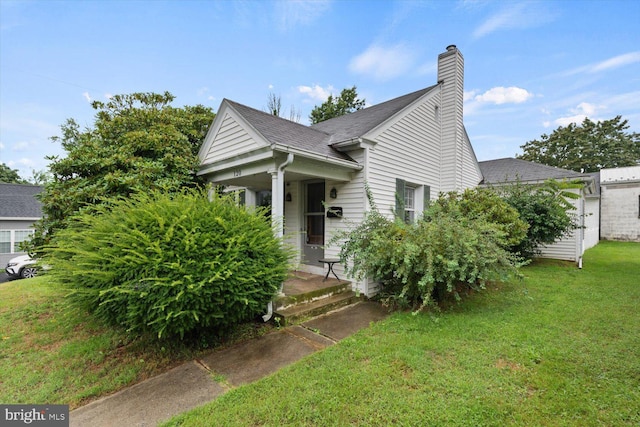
column 546, row 208
column 170, row 265
column 458, row 245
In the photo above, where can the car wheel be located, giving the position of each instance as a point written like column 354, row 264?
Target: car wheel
column 28, row 272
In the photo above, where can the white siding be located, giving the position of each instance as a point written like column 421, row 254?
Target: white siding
column 471, row 175
column 567, row 248
column 408, row 149
column 230, row 140
column 293, row 216
column 353, row 201
column 591, row 222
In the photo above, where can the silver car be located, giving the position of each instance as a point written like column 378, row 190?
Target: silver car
column 21, row 267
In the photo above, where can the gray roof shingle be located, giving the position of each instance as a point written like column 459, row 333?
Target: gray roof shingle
column 320, row 137
column 18, row 201
column 510, row 170
column 285, row 132
column 358, row 123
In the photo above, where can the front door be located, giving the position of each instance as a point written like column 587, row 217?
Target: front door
column 314, row 223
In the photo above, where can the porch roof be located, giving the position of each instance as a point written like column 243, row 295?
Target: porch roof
column 286, row 133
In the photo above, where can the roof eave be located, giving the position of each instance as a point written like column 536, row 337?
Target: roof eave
column 315, row 156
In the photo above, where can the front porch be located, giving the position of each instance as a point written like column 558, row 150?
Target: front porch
column 307, row 295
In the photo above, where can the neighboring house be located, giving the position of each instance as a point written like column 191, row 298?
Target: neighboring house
column 620, row 205
column 505, row 171
column 19, row 209
column 413, row 146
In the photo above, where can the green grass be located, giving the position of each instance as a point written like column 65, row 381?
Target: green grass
column 560, row 349
column 51, row 354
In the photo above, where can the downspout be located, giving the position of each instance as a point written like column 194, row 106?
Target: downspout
column 277, row 198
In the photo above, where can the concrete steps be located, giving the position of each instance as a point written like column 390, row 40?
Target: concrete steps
column 297, row 308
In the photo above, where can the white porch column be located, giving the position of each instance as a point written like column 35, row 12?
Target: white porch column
column 277, row 213
column 277, row 196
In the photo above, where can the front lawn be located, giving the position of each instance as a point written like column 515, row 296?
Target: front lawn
column 49, row 354
column 560, row 349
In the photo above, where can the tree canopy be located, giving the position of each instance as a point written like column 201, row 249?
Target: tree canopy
column 347, row 102
column 138, row 143
column 588, row 147
column 10, row 176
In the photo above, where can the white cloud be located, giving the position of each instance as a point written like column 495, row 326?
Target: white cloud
column 291, row 13
column 316, row 92
column 86, row 96
column 383, row 63
column 516, row 16
column 607, row 64
column 469, row 95
column 578, row 114
column 504, row 95
column 616, row 61
column 108, row 95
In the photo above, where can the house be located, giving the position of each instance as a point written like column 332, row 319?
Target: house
column 620, row 204
column 413, row 146
column 509, row 170
column 19, row 209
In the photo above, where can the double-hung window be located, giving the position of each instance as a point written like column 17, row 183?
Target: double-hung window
column 409, row 204
column 411, row 199
column 10, row 240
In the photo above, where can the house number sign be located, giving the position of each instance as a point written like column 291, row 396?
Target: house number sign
column 237, row 172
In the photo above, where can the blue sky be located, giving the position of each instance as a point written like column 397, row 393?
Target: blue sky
column 530, row 66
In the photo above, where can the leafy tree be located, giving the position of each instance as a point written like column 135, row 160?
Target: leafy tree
column 588, row 147
column 546, row 208
column 346, row 103
column 138, row 143
column 10, row 176
column 40, row 177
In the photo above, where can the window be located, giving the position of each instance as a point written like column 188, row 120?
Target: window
column 10, row 240
column 5, row 241
column 411, row 199
column 409, row 204
column 19, row 237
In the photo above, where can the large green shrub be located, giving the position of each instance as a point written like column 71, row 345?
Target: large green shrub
column 170, row 264
column 546, row 208
column 451, row 248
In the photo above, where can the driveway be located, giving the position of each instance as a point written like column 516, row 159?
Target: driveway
column 4, row 277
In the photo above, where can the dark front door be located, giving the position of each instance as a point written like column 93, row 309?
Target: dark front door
column 314, row 223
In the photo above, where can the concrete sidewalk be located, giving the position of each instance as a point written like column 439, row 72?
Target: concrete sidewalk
column 194, row 383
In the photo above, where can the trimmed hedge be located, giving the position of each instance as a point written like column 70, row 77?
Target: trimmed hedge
column 170, row 264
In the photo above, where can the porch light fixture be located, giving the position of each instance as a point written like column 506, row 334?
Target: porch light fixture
column 288, row 197
column 333, row 193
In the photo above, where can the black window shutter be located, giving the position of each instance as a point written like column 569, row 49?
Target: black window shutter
column 400, row 197
column 426, row 197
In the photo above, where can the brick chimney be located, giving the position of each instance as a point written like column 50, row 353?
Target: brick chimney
column 451, row 79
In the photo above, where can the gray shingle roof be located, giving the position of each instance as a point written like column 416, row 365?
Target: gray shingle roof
column 18, row 201
column 285, row 132
column 360, row 122
column 320, row 137
column 510, row 170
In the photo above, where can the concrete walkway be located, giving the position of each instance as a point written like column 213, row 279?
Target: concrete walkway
column 194, row 383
